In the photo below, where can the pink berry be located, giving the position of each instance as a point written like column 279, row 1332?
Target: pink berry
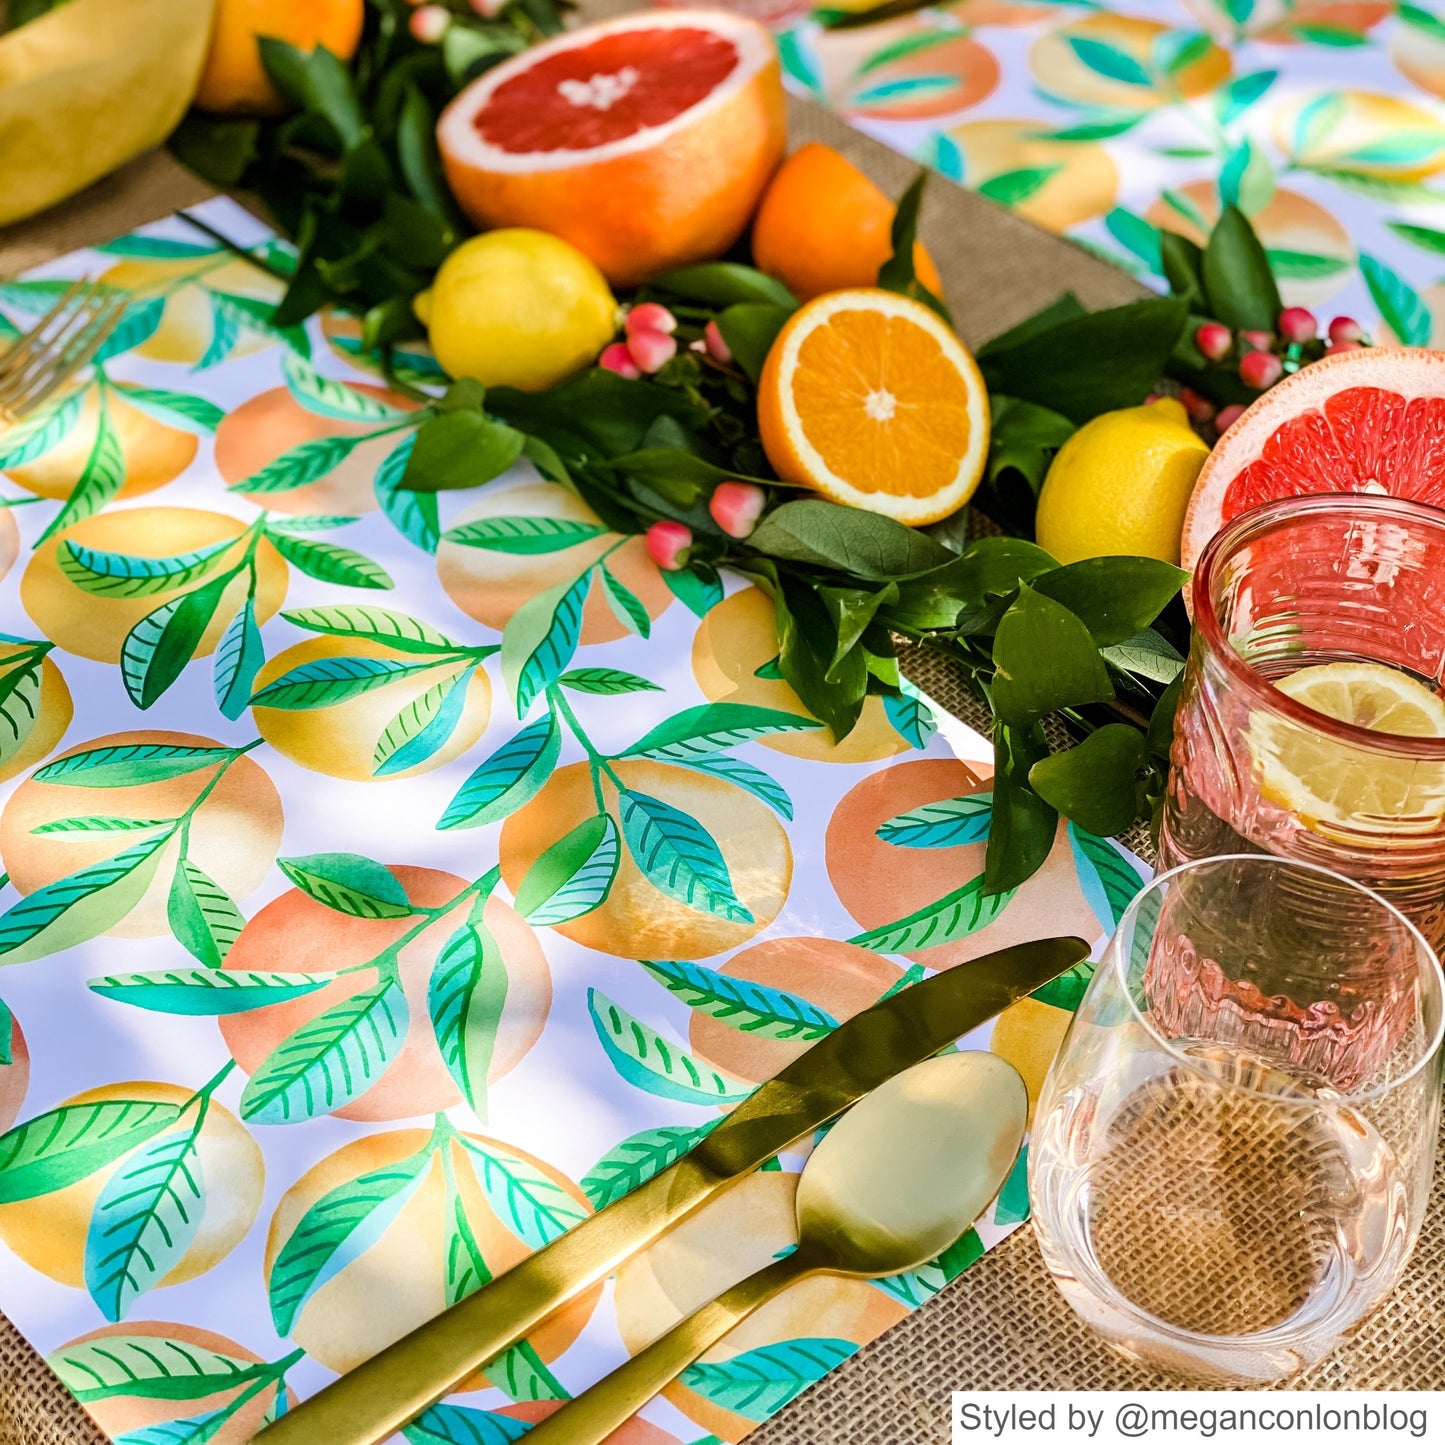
column 667, row 544
column 1260, row 369
column 1297, row 325
column 1213, row 340
column 717, row 348
column 736, row 507
column 1340, row 346
column 488, row 9
column 1227, row 418
column 650, row 317
column 1258, row 340
column 619, row 359
column 429, row 23
column 1200, row 408
column 651, row 350
column 1346, row 328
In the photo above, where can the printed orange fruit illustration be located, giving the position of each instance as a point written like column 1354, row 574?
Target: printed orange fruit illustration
column 645, row 141
column 490, row 586
column 263, row 428
column 738, row 636
column 340, row 1324
column 295, row 934
column 233, row 834
column 49, row 1231
column 869, row 398
column 636, row 1431
column 824, row 226
column 743, row 1230
column 341, row 740
column 1028, row 1034
column 234, row 80
column 96, row 627
column 53, row 711
column 638, row 920
column 879, row 882
column 14, row 1076
column 1289, row 22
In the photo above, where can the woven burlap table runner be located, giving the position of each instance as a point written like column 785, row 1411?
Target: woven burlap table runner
column 1001, row 1325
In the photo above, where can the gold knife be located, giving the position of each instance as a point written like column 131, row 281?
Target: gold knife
column 379, row 1397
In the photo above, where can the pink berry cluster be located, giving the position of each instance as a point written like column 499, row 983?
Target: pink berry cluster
column 734, row 506
column 649, row 343
column 429, row 23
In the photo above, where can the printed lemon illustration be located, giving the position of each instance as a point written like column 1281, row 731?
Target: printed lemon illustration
column 409, row 1258
column 880, row 882
column 14, row 1076
column 736, row 640
column 906, row 69
column 197, row 321
column 637, row 919
column 156, row 1352
column 1419, row 54
column 341, row 740
column 49, row 1231
column 1363, row 133
column 295, row 934
column 836, row 979
column 231, row 833
column 636, row 1431
column 96, row 627
column 153, row 452
column 1054, row 183
column 742, row 1231
column 490, row 582
column 269, row 425
column 31, row 724
column 1028, row 1034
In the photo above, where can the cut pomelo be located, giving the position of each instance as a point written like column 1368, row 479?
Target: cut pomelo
column 644, row 141
column 1368, row 421
column 869, row 398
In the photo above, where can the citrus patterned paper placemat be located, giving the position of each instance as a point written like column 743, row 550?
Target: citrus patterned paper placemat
column 340, row 980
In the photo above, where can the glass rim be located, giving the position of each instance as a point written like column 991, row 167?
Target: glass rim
column 1259, row 521
column 1115, row 956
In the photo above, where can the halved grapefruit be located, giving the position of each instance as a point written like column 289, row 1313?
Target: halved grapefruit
column 1371, row 420
column 644, row 141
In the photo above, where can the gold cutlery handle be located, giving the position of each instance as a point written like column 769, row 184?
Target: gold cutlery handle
column 613, row 1400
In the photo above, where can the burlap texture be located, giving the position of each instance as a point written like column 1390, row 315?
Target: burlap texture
column 1002, row 1325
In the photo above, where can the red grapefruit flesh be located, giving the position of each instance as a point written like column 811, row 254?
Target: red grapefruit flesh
column 645, row 141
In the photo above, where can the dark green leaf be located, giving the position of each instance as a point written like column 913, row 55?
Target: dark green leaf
column 863, row 544
column 1045, row 658
column 1025, row 436
column 1183, row 264
column 897, row 273
column 458, row 449
column 750, row 330
column 1238, row 282
column 725, row 283
column 1066, row 308
column 1021, row 831
column 318, row 82
column 417, row 152
column 1114, row 597
column 1093, row 783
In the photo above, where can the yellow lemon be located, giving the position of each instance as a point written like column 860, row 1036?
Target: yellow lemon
column 517, row 308
column 1119, row 486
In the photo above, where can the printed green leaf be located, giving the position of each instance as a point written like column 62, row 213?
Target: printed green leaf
column 147, row 1367
column 523, row 536
column 157, row 248
column 329, row 398
column 541, row 637
column 259, row 316
column 465, row 999
column 458, row 1425
column 375, row 624
column 1401, row 307
column 918, row 1286
column 330, row 680
column 174, row 408
column 138, row 324
column 512, row 776
column 327, row 562
column 466, row 1269
column 1067, row 990
column 758, row 1383
column 530, row 1203
column 606, row 681
column 202, row 915
column 1013, row 188
column 157, row 649
column 303, row 464
column 1107, row 879
column 413, row 514
column 225, row 333
column 648, row 1061
column 129, row 765
column 19, row 699
column 102, row 477
column 679, row 856
column 7, row 1035
column 338, row 1229
column 751, row 1008
column 146, row 1218
column 1304, row 265
column 746, row 776
column 1426, row 237
column 521, row 1373
column 956, row 915
column 573, row 876
column 1233, row 99
column 1012, row 1205
column 69, row 1144
column 947, row 824
column 239, row 656
column 348, row 883
column 625, row 604
column 116, row 574
column 1109, row 61
column 423, row 726
column 206, row 992
column 637, row 1158
column 330, row 1060
column 35, row 436
column 712, row 727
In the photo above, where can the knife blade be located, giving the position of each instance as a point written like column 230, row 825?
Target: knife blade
column 380, row 1396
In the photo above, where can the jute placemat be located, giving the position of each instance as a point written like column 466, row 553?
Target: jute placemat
column 1001, row 1325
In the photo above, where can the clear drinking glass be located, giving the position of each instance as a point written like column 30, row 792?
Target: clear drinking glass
column 1220, row 1192
column 1305, row 581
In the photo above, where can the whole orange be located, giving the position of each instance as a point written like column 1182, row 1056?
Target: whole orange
column 824, row 226
column 235, row 81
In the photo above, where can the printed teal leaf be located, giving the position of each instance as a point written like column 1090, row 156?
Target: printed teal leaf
column 1068, row 989
column 948, row 824
column 712, row 727
column 330, row 398
column 541, row 637
column 66, row 1145
column 239, row 656
column 1233, row 99
column 303, row 464
column 20, row 682
column 376, row 624
column 225, row 333
column 637, row 1158
column 530, row 1203
column 521, row 1373
column 157, row 248
column 129, row 765
column 116, row 574
column 1399, row 303
column 137, row 325
column 1107, row 879
column 457, row 1425
column 648, row 1061
column 696, row 587
column 259, row 316
column 423, row 726
column 1109, row 61
column 174, row 408
column 102, row 477
column 35, row 436
column 146, row 1218
column 206, row 992
column 330, row 680
column 798, row 63
column 337, row 1230
column 751, row 1008
column 918, row 1286
column 1013, row 188
column 911, row 718
column 147, row 1367
column 606, row 680
column 625, row 604
column 307, row 523
column 157, row 649
column 523, row 536
column 348, row 883
column 679, row 856
column 512, row 776
column 192, row 1430
column 573, row 876
column 202, row 915
column 7, row 1035
column 746, row 776
column 330, row 1060
column 1012, row 1204
column 758, row 1383
column 1246, row 178
column 467, row 993
column 413, row 514
column 327, row 562
column 956, row 915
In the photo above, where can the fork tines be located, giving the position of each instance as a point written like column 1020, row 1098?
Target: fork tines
column 64, row 339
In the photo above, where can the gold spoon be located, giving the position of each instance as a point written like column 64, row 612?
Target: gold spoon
column 898, row 1178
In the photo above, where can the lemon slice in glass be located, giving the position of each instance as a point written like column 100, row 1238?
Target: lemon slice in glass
column 1325, row 782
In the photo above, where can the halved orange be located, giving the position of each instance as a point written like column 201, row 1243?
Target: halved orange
column 869, row 398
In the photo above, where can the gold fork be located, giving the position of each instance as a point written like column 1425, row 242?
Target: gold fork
column 57, row 346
